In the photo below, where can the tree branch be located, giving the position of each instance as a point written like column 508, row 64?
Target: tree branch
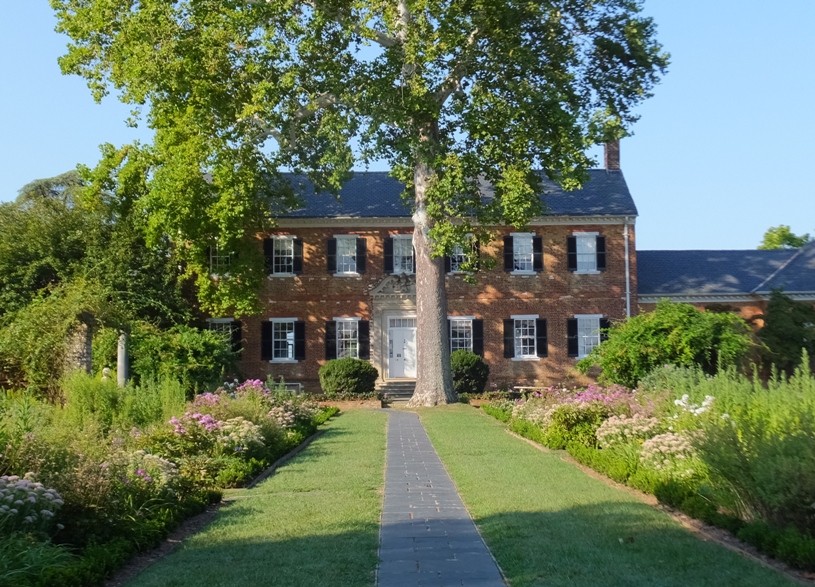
column 457, row 72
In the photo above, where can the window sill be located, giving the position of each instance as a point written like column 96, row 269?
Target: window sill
column 526, row 358
column 519, row 272
column 595, row 272
column 272, row 275
column 283, row 361
column 347, row 274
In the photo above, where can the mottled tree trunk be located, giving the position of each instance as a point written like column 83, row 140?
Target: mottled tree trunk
column 434, row 381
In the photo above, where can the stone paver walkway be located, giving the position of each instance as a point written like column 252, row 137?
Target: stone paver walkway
column 427, row 538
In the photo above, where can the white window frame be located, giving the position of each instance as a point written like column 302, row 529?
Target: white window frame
column 516, row 256
column 219, row 261
column 581, row 238
column 345, row 322
column 282, row 238
column 468, row 320
column 398, row 240
column 345, row 238
column 518, row 355
column 586, row 342
column 290, row 346
column 458, row 256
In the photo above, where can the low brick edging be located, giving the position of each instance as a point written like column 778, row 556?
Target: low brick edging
column 368, row 404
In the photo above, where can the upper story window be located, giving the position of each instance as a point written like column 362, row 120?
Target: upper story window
column 399, row 254
column 284, row 255
column 219, row 260
column 461, row 255
column 525, row 338
column 523, row 253
column 586, row 252
column 584, row 333
column 345, row 254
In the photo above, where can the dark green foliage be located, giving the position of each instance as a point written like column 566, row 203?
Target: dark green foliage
column 528, row 430
column 470, row 372
column 603, row 461
column 325, row 414
column 789, row 329
column 675, row 334
column 348, row 376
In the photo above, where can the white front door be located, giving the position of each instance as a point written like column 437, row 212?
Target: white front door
column 402, row 353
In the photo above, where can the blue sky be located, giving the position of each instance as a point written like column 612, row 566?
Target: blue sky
column 723, row 150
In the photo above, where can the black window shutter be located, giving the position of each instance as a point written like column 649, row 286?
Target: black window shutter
column 509, row 338
column 299, row 341
column 364, row 339
column 571, row 253
column 388, row 255
column 604, row 323
column 331, row 255
column 541, row 335
column 266, row 344
column 537, row 250
column 476, row 255
column 478, row 337
column 571, row 335
column 330, row 340
column 268, row 255
column 362, row 253
column 509, row 255
column 237, row 336
column 448, row 265
column 601, row 253
column 298, row 256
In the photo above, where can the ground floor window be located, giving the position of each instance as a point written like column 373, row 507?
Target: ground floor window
column 461, row 334
column 347, row 338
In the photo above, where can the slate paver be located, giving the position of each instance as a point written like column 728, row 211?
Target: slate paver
column 427, row 538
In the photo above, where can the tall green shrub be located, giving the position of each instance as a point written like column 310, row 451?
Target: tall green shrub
column 789, row 328
column 352, row 376
column 470, row 372
column 676, row 334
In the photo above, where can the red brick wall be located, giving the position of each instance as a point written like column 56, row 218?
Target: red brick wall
column 555, row 294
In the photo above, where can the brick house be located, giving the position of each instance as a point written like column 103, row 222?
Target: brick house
column 738, row 281
column 340, row 283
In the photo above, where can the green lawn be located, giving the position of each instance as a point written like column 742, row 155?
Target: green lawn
column 314, row 522
column 548, row 523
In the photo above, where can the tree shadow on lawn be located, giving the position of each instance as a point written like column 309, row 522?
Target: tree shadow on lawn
column 614, row 543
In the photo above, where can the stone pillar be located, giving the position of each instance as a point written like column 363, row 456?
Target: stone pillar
column 79, row 347
column 122, row 367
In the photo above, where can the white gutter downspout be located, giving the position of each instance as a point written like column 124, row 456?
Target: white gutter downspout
column 627, row 272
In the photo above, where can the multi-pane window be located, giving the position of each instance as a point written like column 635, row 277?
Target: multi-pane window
column 525, row 338
column 523, row 253
column 586, row 252
column 222, row 326
column 403, row 255
column 283, row 256
column 588, row 333
column 457, row 259
column 346, row 254
column 219, row 261
column 347, row 338
column 283, row 340
column 461, row 334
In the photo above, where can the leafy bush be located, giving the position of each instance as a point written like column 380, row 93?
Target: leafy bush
column 789, row 329
column 673, row 333
column 470, row 372
column 24, row 559
column 348, row 376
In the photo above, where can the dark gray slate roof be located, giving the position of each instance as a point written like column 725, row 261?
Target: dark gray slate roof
column 377, row 195
column 700, row 273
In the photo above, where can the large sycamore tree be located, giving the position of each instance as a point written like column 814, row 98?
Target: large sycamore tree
column 453, row 95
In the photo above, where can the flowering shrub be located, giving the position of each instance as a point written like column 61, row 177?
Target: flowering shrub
column 149, row 468
column 210, row 400
column 252, row 386
column 283, row 417
column 668, row 453
column 618, row 430
column 26, row 504
column 694, row 409
column 239, row 435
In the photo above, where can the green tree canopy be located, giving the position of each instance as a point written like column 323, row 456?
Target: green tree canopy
column 672, row 334
column 448, row 93
column 781, row 237
column 789, row 329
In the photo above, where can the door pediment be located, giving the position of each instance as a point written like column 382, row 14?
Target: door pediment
column 396, row 286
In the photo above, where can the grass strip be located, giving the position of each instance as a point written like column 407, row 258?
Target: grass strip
column 548, row 523
column 314, row 522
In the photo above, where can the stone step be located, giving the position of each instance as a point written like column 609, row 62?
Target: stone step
column 398, row 390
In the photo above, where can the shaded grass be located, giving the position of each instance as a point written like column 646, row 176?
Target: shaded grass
column 548, row 523
column 314, row 522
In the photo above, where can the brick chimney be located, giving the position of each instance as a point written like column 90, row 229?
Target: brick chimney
column 611, row 155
